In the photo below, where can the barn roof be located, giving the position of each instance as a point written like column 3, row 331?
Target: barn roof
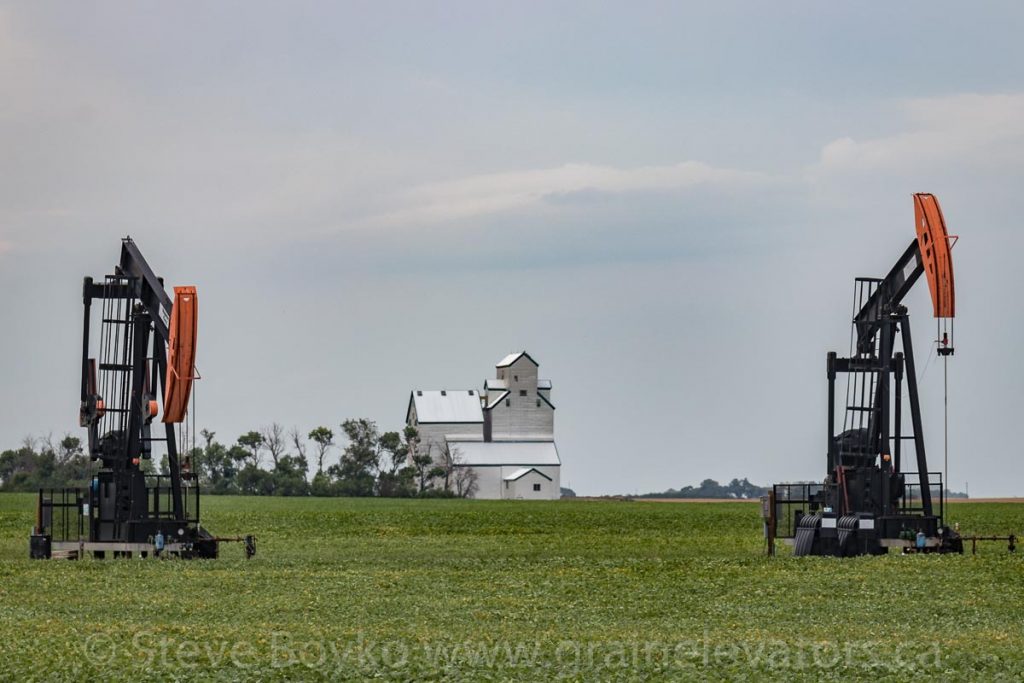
column 448, row 406
column 512, row 358
column 526, row 453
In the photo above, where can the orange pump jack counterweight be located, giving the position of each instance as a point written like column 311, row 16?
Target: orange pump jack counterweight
column 181, row 357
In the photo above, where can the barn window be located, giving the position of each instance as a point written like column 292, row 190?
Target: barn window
column 508, row 402
column 538, row 403
column 444, row 393
column 522, row 392
column 536, row 487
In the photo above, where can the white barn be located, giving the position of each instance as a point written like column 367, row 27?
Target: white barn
column 506, row 433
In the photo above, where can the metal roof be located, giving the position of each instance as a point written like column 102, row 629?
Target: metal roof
column 522, row 472
column 506, row 452
column 462, row 405
column 512, row 358
column 498, row 399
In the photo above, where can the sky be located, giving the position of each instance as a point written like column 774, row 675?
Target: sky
column 664, row 203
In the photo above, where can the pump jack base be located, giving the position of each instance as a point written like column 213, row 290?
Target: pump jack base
column 206, row 547
column 862, row 534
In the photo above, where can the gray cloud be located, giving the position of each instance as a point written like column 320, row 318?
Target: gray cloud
column 975, row 129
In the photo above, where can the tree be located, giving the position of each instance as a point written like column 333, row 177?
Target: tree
column 201, row 457
column 422, row 462
column 393, row 451
column 423, row 471
column 255, row 482
column 10, row 463
column 40, row 463
column 360, row 461
column 463, row 476
column 298, row 442
column 289, row 476
column 252, row 442
column 396, row 478
column 456, row 474
column 219, row 465
column 241, row 456
column 274, row 441
column 447, row 464
column 324, row 439
column 436, row 472
column 323, row 485
column 372, row 463
column 69, row 448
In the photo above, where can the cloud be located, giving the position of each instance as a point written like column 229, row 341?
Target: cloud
column 950, row 133
column 955, row 129
column 492, row 193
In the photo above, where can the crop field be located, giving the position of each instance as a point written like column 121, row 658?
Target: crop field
column 474, row 590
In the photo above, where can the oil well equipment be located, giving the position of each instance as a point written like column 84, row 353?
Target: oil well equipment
column 870, row 499
column 142, row 378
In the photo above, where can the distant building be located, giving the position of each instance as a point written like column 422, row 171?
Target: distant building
column 505, row 434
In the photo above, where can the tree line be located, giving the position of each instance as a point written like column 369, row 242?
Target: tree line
column 270, row 461
column 737, row 488
column 709, row 488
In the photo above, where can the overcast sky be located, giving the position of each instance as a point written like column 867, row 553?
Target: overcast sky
column 664, row 203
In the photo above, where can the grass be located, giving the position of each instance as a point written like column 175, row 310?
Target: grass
column 475, row 590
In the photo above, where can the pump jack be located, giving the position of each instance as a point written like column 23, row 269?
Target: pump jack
column 146, row 339
column 868, row 502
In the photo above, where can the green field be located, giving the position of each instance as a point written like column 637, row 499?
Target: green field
column 473, row 590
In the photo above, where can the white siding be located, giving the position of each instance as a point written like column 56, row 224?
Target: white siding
column 488, row 483
column 523, row 487
column 491, row 485
column 434, row 436
column 519, row 418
